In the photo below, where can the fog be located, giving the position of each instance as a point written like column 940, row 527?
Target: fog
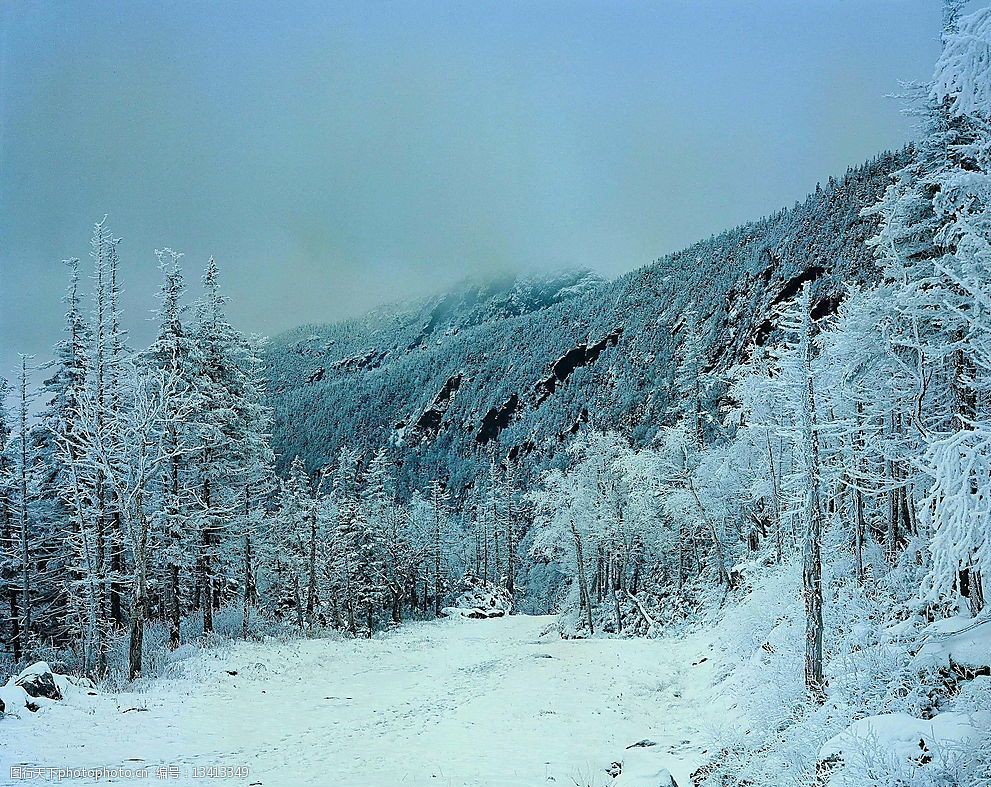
column 334, row 156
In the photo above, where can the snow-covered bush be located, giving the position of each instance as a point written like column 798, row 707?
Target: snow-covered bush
column 480, row 599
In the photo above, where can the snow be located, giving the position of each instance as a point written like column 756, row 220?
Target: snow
column 959, row 640
column 963, row 71
column 904, row 739
column 500, row 703
column 643, row 766
column 13, row 697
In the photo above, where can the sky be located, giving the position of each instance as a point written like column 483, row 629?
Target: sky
column 334, row 156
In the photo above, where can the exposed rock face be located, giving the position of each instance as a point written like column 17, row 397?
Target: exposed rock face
column 430, row 420
column 497, row 419
column 575, row 358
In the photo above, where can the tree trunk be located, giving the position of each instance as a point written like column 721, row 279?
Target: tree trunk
column 24, row 514
column 135, row 646
column 436, row 560
column 139, row 612
column 173, row 608
column 298, row 601
column 117, row 591
column 891, row 532
column 812, row 553
column 139, row 607
column 858, row 533
column 249, row 587
column 510, row 554
column 776, row 500
column 397, row 603
column 485, row 554
column 311, row 586
column 858, row 497
column 586, row 601
column 7, row 542
column 206, row 564
column 970, row 586
column 15, row 624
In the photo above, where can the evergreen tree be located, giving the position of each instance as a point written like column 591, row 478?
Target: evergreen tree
column 175, row 349
column 387, row 520
column 258, row 485
column 223, row 427
column 290, row 539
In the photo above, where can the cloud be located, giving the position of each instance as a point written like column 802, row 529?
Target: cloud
column 336, row 156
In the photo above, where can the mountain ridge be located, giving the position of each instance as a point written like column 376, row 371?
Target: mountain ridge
column 513, row 368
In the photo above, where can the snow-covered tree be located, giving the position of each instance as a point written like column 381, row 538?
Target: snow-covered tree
column 933, row 243
column 291, row 543
column 174, row 351
column 387, row 518
column 9, row 575
column 438, row 506
column 223, row 438
column 129, row 448
column 24, row 492
column 258, row 486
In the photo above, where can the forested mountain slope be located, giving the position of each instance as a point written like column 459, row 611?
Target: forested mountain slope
column 517, row 367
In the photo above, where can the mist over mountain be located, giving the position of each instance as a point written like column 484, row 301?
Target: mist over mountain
column 515, row 368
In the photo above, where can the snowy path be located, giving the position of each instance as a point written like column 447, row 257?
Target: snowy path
column 486, row 703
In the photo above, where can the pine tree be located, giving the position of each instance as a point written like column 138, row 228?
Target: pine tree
column 290, row 539
column 511, row 515
column 368, row 543
column 62, row 392
column 100, row 245
column 115, row 401
column 175, row 349
column 344, row 583
column 223, row 428
column 387, row 519
column 258, row 486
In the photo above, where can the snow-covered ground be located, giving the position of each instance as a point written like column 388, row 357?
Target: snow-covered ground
column 492, row 703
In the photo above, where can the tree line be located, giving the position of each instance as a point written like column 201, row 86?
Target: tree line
column 867, row 430
column 144, row 490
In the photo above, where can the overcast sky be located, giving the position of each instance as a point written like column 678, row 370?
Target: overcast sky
column 337, row 155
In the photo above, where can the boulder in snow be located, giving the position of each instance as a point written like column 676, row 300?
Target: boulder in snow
column 38, row 681
column 37, row 687
column 641, row 766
